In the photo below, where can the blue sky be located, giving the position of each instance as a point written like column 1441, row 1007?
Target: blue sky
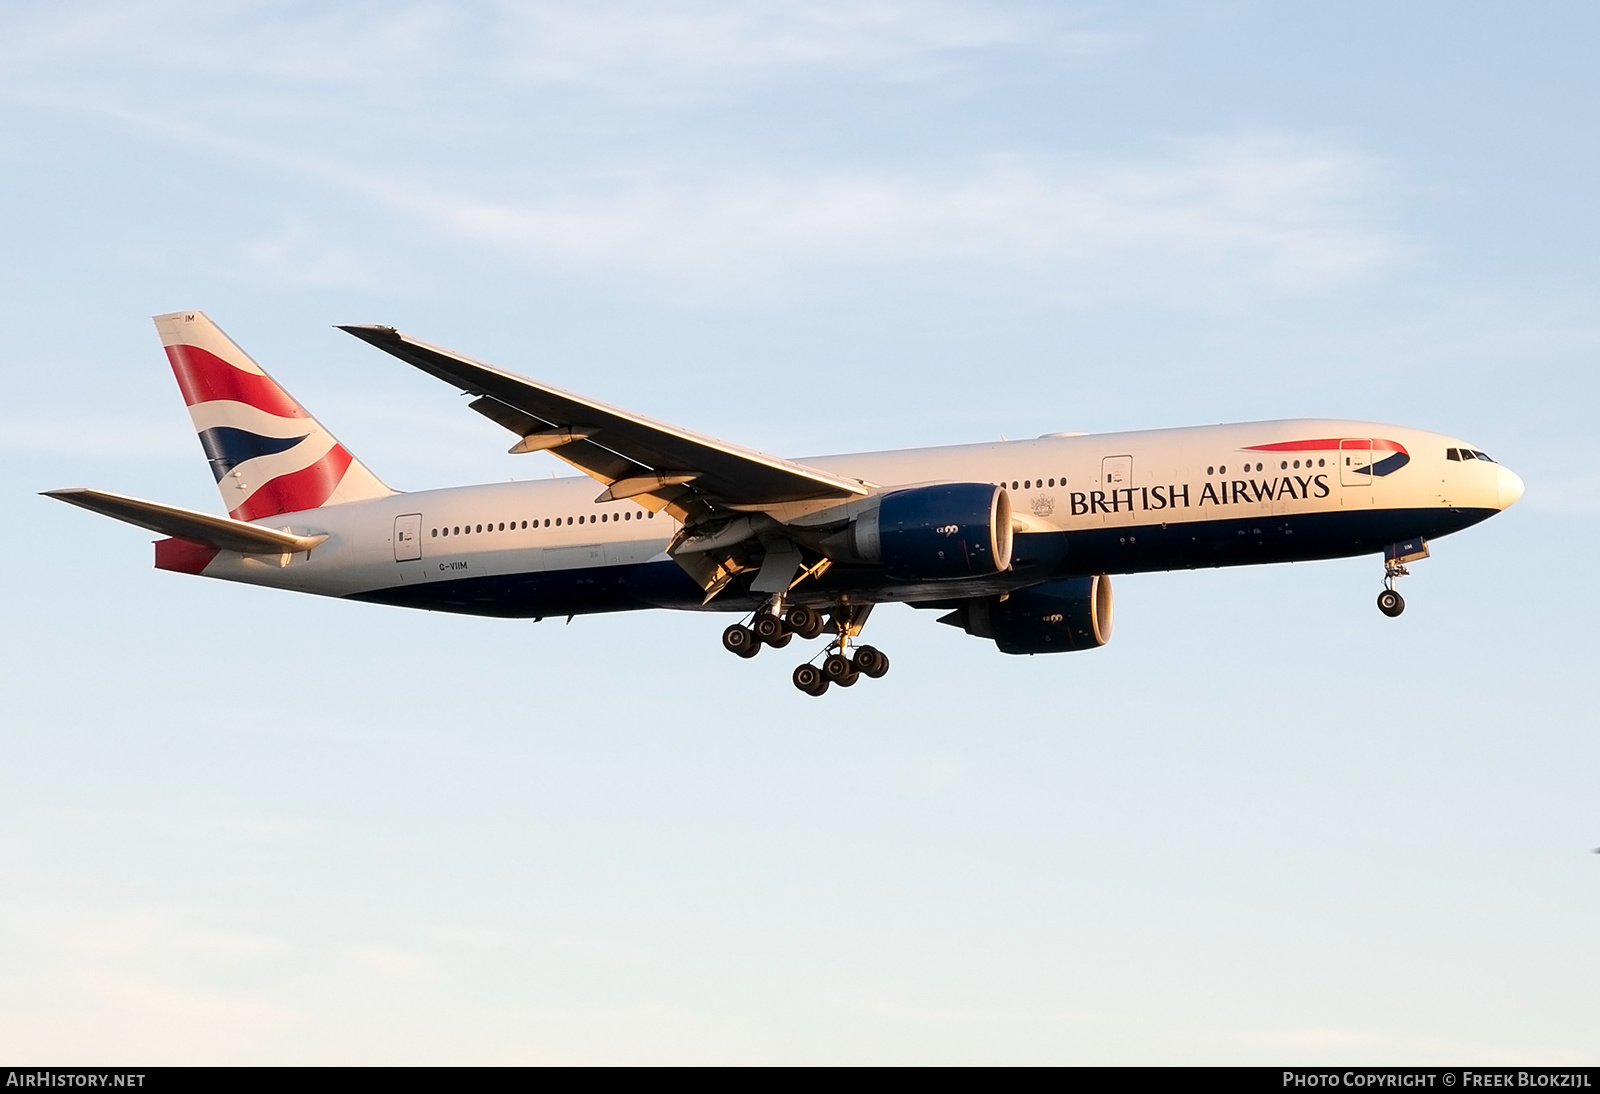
column 1263, row 825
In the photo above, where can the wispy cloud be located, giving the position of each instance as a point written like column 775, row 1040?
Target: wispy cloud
column 1206, row 221
column 1254, row 212
column 621, row 46
column 298, row 256
column 90, row 437
column 1212, row 219
column 629, row 44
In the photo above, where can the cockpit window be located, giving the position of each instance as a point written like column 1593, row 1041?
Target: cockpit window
column 1453, row 454
column 1466, row 454
column 1482, row 456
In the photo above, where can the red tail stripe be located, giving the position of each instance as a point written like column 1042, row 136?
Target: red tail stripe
column 1329, row 444
column 307, row 488
column 204, row 377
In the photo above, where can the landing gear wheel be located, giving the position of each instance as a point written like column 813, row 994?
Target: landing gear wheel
column 770, row 629
column 809, row 679
column 871, row 661
column 740, row 640
column 838, row 669
column 803, row 621
column 1391, row 603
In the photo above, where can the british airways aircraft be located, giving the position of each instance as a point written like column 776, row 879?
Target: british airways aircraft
column 1013, row 541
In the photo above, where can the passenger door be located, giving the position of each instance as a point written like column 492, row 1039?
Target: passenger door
column 408, row 537
column 1116, row 475
column 1355, row 462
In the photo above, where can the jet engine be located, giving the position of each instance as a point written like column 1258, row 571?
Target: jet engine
column 1071, row 614
column 931, row 533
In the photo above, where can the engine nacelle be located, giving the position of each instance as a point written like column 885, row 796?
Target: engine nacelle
column 1058, row 616
column 931, row 533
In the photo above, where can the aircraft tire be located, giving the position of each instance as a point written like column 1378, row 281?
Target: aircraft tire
column 809, row 679
column 838, row 669
column 871, row 661
column 770, row 630
column 740, row 640
column 804, row 621
column 1391, row 603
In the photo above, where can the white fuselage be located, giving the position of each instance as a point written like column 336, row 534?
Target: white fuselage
column 1202, row 496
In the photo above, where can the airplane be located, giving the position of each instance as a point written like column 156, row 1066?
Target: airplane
column 1014, row 542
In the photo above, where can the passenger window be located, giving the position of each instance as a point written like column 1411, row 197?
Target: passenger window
column 436, row 533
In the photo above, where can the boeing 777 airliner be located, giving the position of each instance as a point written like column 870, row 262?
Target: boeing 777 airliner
column 1014, row 541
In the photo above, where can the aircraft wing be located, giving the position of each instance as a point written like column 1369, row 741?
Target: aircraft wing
column 633, row 455
column 170, row 520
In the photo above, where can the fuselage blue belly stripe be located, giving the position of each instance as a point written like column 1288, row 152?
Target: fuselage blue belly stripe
column 1036, row 557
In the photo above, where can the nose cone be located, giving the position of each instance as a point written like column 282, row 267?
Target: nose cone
column 1510, row 486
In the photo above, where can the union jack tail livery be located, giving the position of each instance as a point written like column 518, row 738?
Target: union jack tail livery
column 268, row 455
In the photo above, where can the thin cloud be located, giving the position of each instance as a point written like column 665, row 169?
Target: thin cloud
column 627, row 44
column 90, row 437
column 623, row 47
column 1256, row 214
column 1209, row 222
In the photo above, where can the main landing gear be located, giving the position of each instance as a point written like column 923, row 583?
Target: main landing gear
column 775, row 625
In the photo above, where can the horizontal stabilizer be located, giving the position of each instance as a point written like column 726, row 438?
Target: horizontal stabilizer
column 169, row 520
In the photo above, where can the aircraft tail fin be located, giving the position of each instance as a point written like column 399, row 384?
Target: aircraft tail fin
column 268, row 454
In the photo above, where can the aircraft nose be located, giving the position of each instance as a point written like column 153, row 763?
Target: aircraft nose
column 1510, row 486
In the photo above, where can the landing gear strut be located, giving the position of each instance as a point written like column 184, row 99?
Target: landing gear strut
column 1395, row 557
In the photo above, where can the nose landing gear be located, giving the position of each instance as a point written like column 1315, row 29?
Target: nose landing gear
column 1395, row 557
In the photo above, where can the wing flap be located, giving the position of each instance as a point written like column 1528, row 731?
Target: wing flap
column 196, row 527
column 619, row 444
